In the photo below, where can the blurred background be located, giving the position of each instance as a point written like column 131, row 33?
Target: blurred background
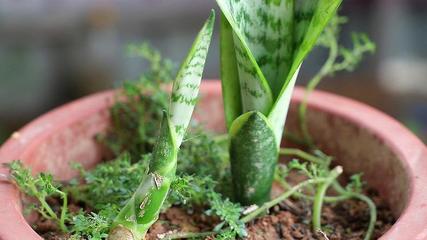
column 54, row 51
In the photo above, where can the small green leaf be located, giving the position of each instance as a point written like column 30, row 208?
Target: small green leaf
column 227, row 211
column 186, row 85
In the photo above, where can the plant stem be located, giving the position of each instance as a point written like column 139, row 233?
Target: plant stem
column 47, row 212
column 367, row 200
column 279, row 199
column 327, row 199
column 63, row 211
column 43, row 213
column 335, row 172
column 343, row 195
column 301, row 154
column 47, row 208
column 326, row 69
column 372, row 213
column 180, row 235
column 319, row 198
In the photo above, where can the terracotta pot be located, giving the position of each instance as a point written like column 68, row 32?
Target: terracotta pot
column 361, row 138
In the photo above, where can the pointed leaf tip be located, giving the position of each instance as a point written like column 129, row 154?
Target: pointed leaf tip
column 186, row 86
column 211, row 20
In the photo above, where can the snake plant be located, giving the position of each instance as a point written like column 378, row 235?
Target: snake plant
column 263, row 44
column 142, row 210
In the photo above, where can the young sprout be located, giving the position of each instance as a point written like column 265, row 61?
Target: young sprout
column 142, row 210
column 263, row 44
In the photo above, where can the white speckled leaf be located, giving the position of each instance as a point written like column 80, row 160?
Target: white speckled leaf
column 186, row 86
column 254, row 94
column 271, row 38
column 263, row 44
column 310, row 30
column 304, row 11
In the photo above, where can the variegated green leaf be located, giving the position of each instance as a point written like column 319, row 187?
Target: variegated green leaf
column 254, row 90
column 310, row 29
column 142, row 210
column 265, row 29
column 186, row 86
column 323, row 13
column 304, row 11
column 271, row 36
column 242, row 17
column 271, row 39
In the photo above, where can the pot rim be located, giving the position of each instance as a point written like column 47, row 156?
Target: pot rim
column 412, row 153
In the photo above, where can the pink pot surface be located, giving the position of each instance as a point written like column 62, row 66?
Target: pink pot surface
column 361, row 138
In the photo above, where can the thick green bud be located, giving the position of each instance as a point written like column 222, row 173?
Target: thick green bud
column 253, row 154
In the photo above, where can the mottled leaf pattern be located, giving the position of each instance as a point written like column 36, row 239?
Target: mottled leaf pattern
column 271, row 38
column 186, row 86
column 255, row 91
column 304, row 11
column 254, row 94
column 325, row 9
column 143, row 209
column 265, row 27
